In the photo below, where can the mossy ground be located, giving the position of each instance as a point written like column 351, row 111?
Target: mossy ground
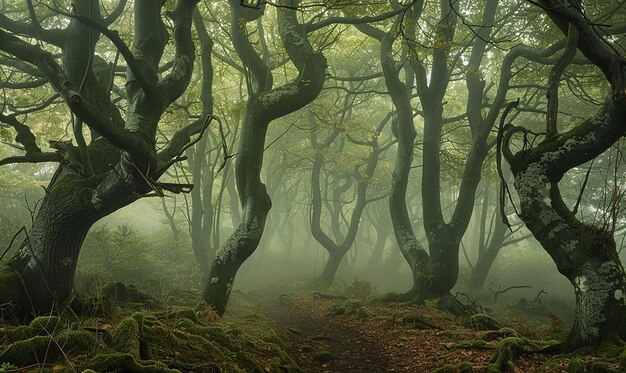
column 319, row 334
column 168, row 340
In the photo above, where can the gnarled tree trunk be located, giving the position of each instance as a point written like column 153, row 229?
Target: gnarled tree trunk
column 263, row 107
column 75, row 199
column 585, row 254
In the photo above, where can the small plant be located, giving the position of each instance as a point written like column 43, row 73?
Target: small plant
column 360, row 289
column 6, row 367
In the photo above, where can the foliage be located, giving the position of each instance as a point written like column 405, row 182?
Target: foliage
column 359, row 289
column 123, row 253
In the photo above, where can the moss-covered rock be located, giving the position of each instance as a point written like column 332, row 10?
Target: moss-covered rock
column 306, row 348
column 339, row 310
column 171, row 341
column 49, row 348
column 323, row 356
column 44, row 326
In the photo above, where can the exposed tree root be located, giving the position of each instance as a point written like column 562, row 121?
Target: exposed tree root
column 508, row 351
column 121, row 362
column 167, row 341
column 481, row 321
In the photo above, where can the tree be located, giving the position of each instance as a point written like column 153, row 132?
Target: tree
column 585, row 254
column 121, row 162
column 362, row 176
column 264, row 105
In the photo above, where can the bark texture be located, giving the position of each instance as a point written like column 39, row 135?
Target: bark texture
column 263, row 106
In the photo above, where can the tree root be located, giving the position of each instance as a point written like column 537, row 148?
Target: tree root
column 481, row 321
column 168, row 341
column 121, row 362
column 508, row 351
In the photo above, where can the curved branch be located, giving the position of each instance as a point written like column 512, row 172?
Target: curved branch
column 54, row 37
column 589, row 43
column 117, row 135
column 175, row 83
column 250, row 58
column 32, row 158
column 136, row 66
column 310, row 27
column 116, row 13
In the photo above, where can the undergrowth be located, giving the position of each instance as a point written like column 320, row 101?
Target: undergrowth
column 168, row 340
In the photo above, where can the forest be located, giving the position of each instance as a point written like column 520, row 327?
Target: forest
column 312, row 186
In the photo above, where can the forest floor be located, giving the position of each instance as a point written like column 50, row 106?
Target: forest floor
column 376, row 341
column 346, row 335
column 288, row 329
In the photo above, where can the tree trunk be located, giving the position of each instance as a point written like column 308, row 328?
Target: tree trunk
column 48, row 257
column 375, row 261
column 73, row 202
column 585, row 254
column 404, row 131
column 262, row 108
column 326, row 278
column 600, row 313
column 487, row 256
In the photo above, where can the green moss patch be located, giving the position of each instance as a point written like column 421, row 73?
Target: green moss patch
column 167, row 341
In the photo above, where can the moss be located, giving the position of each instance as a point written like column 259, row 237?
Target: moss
column 577, row 365
column 30, row 351
column 249, row 362
column 152, row 342
column 508, row 351
column 501, row 333
column 252, row 317
column 611, row 347
column 77, row 341
column 121, row 362
column 46, row 324
column 600, row 367
column 49, row 348
column 339, row 311
column 43, row 326
column 458, row 368
column 481, row 322
column 185, row 313
column 306, row 348
column 217, row 335
column 125, row 337
column 323, row 356
column 622, row 360
column 363, row 313
column 391, row 297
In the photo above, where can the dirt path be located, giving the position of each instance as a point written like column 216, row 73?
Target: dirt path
column 310, row 338
column 383, row 341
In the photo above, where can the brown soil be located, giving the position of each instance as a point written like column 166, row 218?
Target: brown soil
column 382, row 342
